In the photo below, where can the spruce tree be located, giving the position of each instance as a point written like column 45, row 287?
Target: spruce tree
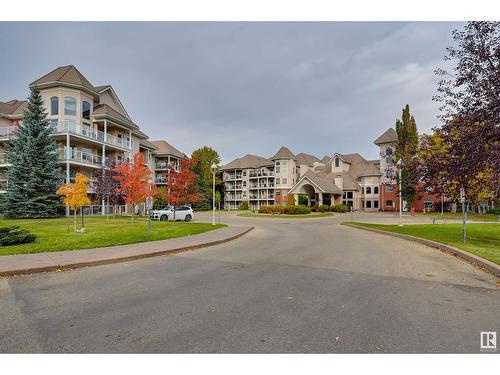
column 406, row 150
column 33, row 173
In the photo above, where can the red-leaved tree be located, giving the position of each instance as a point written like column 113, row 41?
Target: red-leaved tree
column 135, row 181
column 182, row 186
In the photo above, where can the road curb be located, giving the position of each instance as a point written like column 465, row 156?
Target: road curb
column 53, row 265
column 471, row 258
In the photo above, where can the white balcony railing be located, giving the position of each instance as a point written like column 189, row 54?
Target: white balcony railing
column 7, row 131
column 71, row 126
column 81, row 157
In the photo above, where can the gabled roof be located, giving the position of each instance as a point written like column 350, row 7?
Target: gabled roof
column 283, row 153
column 325, row 159
column 164, row 148
column 103, row 88
column 107, row 111
column 306, row 159
column 389, row 135
column 66, row 75
column 13, row 108
column 324, row 184
column 247, row 161
column 146, row 144
column 266, row 163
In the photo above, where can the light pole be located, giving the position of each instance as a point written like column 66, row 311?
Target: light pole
column 213, row 167
column 399, row 164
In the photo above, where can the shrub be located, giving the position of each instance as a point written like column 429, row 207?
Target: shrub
column 297, row 210
column 495, row 210
column 303, row 200
column 290, row 200
column 13, row 235
column 244, row 205
column 315, row 207
column 323, row 208
column 340, row 208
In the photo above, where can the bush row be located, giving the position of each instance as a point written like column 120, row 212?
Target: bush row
column 13, row 235
column 288, row 210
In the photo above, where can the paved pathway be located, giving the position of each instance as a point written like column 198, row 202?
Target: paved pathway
column 287, row 286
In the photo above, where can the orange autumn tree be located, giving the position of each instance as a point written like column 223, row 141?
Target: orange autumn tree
column 135, row 181
column 74, row 194
column 182, row 186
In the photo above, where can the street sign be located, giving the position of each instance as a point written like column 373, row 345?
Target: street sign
column 149, row 202
column 462, row 195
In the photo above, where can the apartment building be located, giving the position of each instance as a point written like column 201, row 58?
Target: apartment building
column 167, row 158
column 89, row 124
column 349, row 179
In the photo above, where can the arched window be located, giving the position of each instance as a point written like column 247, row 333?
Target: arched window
column 388, row 156
column 337, row 162
column 54, row 105
column 70, row 106
column 368, row 190
column 86, row 110
column 375, row 190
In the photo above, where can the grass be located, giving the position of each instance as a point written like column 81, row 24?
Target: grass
column 58, row 234
column 482, row 239
column 458, row 216
column 283, row 216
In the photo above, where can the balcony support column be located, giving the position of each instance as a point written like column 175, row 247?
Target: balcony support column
column 105, row 130
column 67, row 166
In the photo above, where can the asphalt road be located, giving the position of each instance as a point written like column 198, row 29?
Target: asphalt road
column 300, row 286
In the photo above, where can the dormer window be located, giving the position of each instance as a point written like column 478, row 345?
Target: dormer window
column 337, row 162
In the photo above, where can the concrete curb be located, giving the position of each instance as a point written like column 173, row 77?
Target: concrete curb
column 22, row 264
column 474, row 259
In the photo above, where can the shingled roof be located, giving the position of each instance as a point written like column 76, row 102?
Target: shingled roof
column 247, row 161
column 162, row 147
column 13, row 107
column 68, row 75
column 389, row 135
column 106, row 110
column 284, row 153
column 306, row 159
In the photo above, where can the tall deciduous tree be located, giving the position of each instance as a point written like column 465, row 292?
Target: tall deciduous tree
column 105, row 184
column 75, row 195
column 135, row 180
column 182, row 186
column 470, row 105
column 33, row 174
column 406, row 150
column 203, row 158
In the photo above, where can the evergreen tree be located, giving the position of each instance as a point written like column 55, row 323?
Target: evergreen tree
column 203, row 159
column 34, row 174
column 406, row 150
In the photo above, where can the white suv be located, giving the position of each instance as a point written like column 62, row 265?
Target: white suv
column 182, row 213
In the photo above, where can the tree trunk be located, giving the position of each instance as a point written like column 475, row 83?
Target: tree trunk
column 74, row 216
column 106, row 208
column 174, row 214
column 133, row 213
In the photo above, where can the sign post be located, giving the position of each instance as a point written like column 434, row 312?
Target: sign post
column 149, row 206
column 464, row 215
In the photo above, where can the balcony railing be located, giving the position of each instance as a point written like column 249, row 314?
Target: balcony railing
column 261, row 174
column 80, row 157
column 71, row 126
column 165, row 166
column 7, row 131
column 160, row 180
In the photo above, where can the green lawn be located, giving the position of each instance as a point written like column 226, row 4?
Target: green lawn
column 283, row 216
column 53, row 234
column 482, row 239
column 458, row 216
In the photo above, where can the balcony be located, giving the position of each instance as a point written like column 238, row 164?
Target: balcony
column 233, row 177
column 70, row 126
column 261, row 174
column 160, row 180
column 6, row 132
column 80, row 157
column 165, row 166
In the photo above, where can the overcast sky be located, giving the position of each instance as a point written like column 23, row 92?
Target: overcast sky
column 241, row 88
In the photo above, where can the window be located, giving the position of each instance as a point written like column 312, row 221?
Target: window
column 368, row 190
column 428, row 205
column 388, row 188
column 349, row 195
column 54, row 106
column 86, row 110
column 337, row 162
column 375, row 204
column 375, row 190
column 388, row 203
column 368, row 204
column 429, row 189
column 70, row 106
column 388, row 156
column 277, row 169
column 283, row 181
column 277, row 181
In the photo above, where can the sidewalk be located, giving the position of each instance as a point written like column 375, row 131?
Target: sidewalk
column 59, row 260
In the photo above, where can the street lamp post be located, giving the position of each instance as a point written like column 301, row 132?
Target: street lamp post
column 399, row 164
column 213, row 167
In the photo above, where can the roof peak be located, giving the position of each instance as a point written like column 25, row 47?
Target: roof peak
column 388, row 136
column 67, row 74
column 284, row 153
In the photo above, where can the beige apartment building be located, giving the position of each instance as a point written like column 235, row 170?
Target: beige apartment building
column 342, row 178
column 89, row 124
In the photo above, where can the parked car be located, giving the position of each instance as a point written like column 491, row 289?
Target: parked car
column 182, row 213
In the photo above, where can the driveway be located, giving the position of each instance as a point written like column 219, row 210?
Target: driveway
column 295, row 285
